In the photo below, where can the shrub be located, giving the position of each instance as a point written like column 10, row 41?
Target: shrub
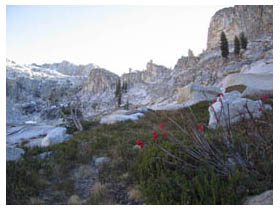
column 201, row 166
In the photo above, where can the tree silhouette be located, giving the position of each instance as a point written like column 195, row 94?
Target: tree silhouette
column 224, row 45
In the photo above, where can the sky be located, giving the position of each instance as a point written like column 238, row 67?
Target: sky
column 113, row 37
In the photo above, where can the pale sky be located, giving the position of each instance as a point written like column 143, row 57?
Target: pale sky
column 114, row 37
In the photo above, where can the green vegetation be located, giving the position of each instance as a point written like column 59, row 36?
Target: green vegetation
column 118, row 88
column 155, row 176
column 124, row 87
column 239, row 88
column 236, row 46
column 243, row 40
column 224, row 45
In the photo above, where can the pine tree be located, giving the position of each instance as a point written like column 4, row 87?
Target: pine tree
column 236, row 46
column 224, row 45
column 120, row 99
column 127, row 104
column 125, row 89
column 243, row 40
column 118, row 88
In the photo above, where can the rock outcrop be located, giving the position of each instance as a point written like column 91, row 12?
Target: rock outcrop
column 100, row 80
column 37, row 92
column 195, row 92
column 186, row 62
column 253, row 20
column 35, row 135
column 256, row 84
column 13, row 153
column 231, row 108
column 265, row 198
column 71, row 69
column 151, row 74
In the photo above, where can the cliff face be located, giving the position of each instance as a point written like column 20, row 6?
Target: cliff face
column 154, row 86
column 100, row 80
column 71, row 69
column 152, row 73
column 253, row 20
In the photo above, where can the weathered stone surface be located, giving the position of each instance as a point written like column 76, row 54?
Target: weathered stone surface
column 232, row 107
column 257, row 84
column 195, row 92
column 45, row 154
column 265, row 198
column 13, row 153
column 264, row 66
column 253, row 20
column 155, row 86
column 35, row 135
column 55, row 136
column 71, row 69
column 99, row 161
column 75, row 200
column 120, row 115
column 100, row 80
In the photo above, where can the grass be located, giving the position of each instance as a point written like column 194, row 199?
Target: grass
column 149, row 175
column 239, row 88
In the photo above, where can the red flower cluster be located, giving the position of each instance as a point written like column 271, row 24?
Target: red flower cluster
column 220, row 94
column 140, row 143
column 260, row 109
column 155, row 136
column 200, row 126
column 161, row 125
column 214, row 100
column 263, row 98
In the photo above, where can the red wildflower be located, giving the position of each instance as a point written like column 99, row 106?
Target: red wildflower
column 220, row 94
column 260, row 109
column 140, row 143
column 214, row 100
column 155, row 137
column 164, row 134
column 200, row 126
column 263, row 98
column 161, row 125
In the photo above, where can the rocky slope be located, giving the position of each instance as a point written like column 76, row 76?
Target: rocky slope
column 37, row 92
column 253, row 20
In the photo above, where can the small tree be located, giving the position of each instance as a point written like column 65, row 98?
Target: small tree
column 243, row 40
column 224, row 45
column 118, row 88
column 124, row 87
column 127, row 104
column 120, row 99
column 236, row 46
